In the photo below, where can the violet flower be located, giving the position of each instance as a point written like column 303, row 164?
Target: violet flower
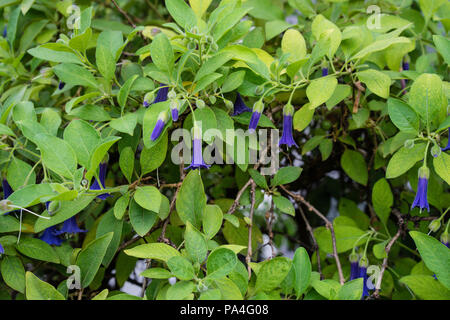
column 197, row 157
column 50, row 236
column 324, row 72
column 162, row 93
column 258, row 108
column 61, row 85
column 448, row 142
column 174, row 106
column 422, row 188
column 240, row 106
column 101, row 175
column 70, row 226
column 354, row 267
column 159, row 126
column 287, row 137
column 2, row 250
column 363, row 274
column 7, row 190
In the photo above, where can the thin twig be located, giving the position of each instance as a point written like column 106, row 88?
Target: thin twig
column 248, row 258
column 329, row 226
column 238, row 197
column 124, row 13
column 315, row 245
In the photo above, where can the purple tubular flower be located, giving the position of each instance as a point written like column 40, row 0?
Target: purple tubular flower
column 324, row 72
column 7, row 190
column 405, row 66
column 354, row 270
column 47, row 206
column 422, row 188
column 101, row 176
column 159, row 126
column 70, row 226
column 162, row 93
column 50, row 236
column 363, row 274
column 254, row 120
column 157, row 129
column 448, row 142
column 240, row 106
column 287, row 137
column 2, row 250
column 175, row 114
column 197, row 157
column 61, row 85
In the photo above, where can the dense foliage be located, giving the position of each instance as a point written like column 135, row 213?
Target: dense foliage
column 99, row 202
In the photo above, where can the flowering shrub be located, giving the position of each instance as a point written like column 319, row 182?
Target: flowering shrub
column 257, row 149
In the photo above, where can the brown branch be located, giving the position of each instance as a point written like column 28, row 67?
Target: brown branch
column 269, row 220
column 329, row 226
column 248, row 258
column 124, row 13
column 238, row 197
column 315, row 245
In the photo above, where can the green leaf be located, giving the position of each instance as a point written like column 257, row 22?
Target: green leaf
column 354, row 166
column 37, row 289
column 105, row 62
column 221, row 262
column 302, row 271
column 403, row 160
column 346, row 238
column 258, row 178
column 57, row 154
column 123, row 94
column 212, row 221
column 83, row 139
column 125, row 124
column 377, row 82
column 191, row 199
column 99, row 153
column 294, row 44
column 272, row 273
column 126, row 162
column 403, row 116
column 435, row 255
column 153, row 157
column 37, row 249
column 91, row 257
column 20, row 174
column 121, row 205
column 426, row 287
column 286, row 175
column 180, row 290
column 284, row 205
column 13, row 273
column 443, row 47
column 74, row 75
column 441, row 165
column 351, row 290
column 181, row 268
column 162, row 52
column 320, row 90
column 148, row 197
column 181, row 13
column 157, row 251
column 157, row 273
column 141, row 219
column 233, row 81
column 427, row 98
column 382, row 199
column 48, row 54
column 303, row 117
column 323, row 28
column 107, row 224
column 195, row 244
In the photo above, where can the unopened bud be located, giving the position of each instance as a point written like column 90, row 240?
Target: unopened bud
column 434, row 225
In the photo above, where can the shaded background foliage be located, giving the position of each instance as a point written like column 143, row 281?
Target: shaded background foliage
column 368, row 103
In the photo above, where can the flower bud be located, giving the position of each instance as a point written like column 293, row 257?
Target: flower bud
column 435, row 225
column 435, row 151
column 409, row 144
column 259, row 90
column 200, row 103
column 172, row 94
